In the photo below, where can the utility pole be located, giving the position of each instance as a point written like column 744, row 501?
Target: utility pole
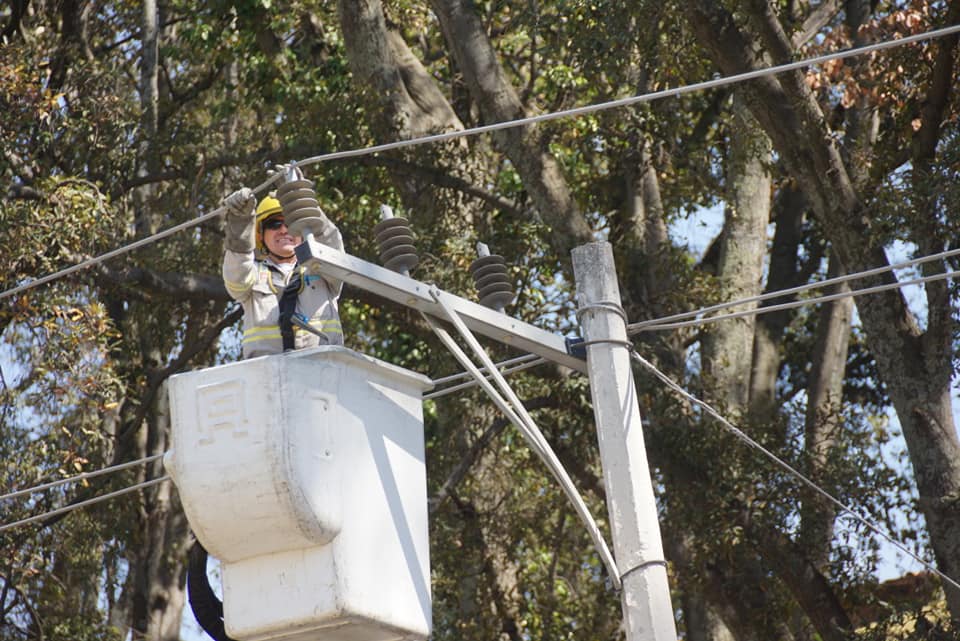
column 645, row 596
column 647, row 611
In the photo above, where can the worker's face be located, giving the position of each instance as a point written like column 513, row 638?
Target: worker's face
column 277, row 237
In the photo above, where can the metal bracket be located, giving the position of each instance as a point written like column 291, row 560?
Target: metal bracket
column 318, row 258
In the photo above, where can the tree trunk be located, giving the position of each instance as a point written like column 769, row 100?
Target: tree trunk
column 701, row 621
column 784, row 273
column 524, row 146
column 407, row 104
column 156, row 572
column 823, row 417
column 158, row 569
column 643, row 240
column 646, row 229
column 484, row 542
column 808, row 585
column 732, row 608
column 915, row 366
column 727, row 346
column 702, row 618
column 149, row 105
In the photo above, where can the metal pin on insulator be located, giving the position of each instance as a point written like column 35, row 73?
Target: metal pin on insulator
column 492, row 280
column 397, row 252
column 301, row 211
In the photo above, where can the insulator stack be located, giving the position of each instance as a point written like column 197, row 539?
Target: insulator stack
column 492, row 280
column 397, row 252
column 301, row 211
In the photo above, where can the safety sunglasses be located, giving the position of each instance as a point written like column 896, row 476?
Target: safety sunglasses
column 274, row 223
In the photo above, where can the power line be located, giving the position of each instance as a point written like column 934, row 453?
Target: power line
column 797, row 303
column 80, row 477
column 578, row 111
column 508, row 366
column 137, row 244
column 77, row 506
column 633, row 328
column 787, row 467
column 647, row 97
column 529, row 361
column 466, row 375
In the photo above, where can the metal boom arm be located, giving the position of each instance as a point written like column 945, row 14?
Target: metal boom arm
column 317, row 258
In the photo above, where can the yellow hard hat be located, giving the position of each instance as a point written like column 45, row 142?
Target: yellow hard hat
column 268, row 207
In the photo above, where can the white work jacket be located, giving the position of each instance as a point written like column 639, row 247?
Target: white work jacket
column 257, row 285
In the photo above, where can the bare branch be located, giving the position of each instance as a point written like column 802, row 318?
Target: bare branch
column 23, row 192
column 448, row 489
column 445, row 179
column 156, row 377
column 817, row 20
column 937, row 99
column 176, row 285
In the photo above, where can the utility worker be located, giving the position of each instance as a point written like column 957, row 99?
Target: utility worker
column 283, row 308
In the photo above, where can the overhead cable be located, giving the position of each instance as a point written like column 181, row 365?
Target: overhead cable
column 530, row 360
column 523, row 363
column 662, row 325
column 137, row 244
column 647, row 97
column 520, row 122
column 688, row 319
column 501, row 365
column 787, row 467
column 658, row 323
column 80, row 477
column 81, row 504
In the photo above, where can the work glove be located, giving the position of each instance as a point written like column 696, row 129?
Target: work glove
column 241, row 208
column 241, row 203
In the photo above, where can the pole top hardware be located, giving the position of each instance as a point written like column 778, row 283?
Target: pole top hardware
column 320, row 259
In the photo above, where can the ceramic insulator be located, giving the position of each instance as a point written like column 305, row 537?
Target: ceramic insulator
column 492, row 281
column 397, row 252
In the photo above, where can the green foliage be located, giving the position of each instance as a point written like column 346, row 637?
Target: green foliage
column 245, row 85
column 511, row 505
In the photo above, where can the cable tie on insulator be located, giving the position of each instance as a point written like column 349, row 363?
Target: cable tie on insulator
column 292, row 172
column 491, row 278
column 395, row 239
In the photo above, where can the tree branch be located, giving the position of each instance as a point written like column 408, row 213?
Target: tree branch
column 182, row 98
column 176, row 285
column 18, row 9
column 24, row 192
column 36, row 629
column 202, row 343
column 524, row 146
column 937, row 99
column 156, row 376
column 764, row 19
column 473, row 454
column 789, row 113
column 444, row 179
column 815, row 21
